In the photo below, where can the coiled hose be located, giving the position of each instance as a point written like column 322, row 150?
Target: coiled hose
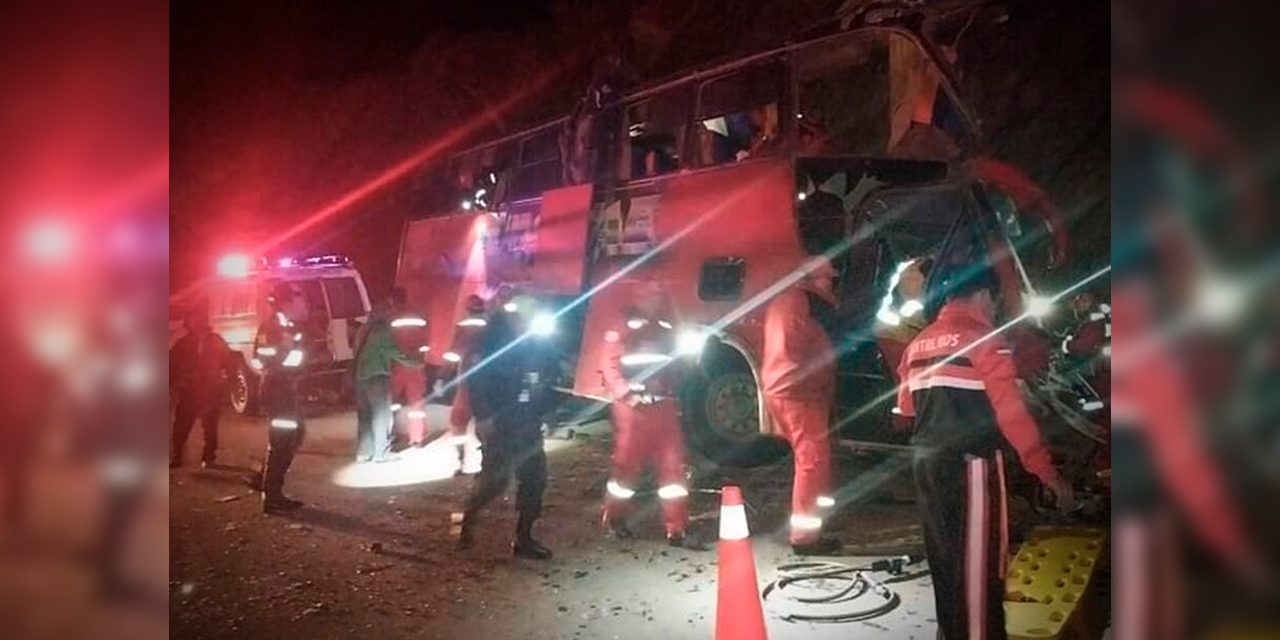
column 858, row 582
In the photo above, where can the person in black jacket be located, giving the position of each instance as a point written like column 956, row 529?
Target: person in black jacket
column 280, row 347
column 514, row 367
column 200, row 364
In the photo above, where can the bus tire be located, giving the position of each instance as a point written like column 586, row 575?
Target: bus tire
column 721, row 417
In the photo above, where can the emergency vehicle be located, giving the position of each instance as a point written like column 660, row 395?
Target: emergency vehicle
column 337, row 303
column 716, row 182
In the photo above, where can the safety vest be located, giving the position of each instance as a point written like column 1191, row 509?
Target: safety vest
column 279, row 352
column 279, row 347
column 1091, row 339
column 409, row 330
column 465, row 334
column 645, row 348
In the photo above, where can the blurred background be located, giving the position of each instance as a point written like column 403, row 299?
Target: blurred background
column 1196, row 450
column 84, row 193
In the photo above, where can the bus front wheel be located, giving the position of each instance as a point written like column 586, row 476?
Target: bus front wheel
column 721, row 418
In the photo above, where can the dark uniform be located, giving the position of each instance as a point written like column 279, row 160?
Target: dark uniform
column 279, row 347
column 200, row 363
column 960, row 384
column 510, row 394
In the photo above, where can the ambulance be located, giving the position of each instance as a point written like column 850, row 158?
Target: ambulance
column 337, row 302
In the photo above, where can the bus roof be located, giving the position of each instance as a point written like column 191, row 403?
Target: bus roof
column 861, row 18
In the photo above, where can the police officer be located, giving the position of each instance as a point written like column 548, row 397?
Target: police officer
column 637, row 357
column 279, row 350
column 200, row 363
column 514, row 370
column 959, row 383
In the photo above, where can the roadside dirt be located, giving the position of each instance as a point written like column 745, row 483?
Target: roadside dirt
column 380, row 562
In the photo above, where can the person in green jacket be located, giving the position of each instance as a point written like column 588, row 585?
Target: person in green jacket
column 376, row 350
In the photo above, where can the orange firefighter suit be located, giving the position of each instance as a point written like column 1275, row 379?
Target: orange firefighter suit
column 798, row 380
column 638, row 373
column 465, row 337
column 409, row 384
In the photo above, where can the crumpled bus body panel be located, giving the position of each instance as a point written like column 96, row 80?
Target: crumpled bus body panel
column 543, row 243
column 740, row 212
column 442, row 262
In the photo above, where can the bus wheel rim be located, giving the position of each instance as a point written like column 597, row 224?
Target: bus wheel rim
column 732, row 409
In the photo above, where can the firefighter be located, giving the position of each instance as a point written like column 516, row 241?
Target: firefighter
column 200, row 363
column 960, row 389
column 279, row 351
column 409, row 381
column 511, row 390
column 901, row 314
column 460, row 426
column 1090, row 335
column 646, row 423
column 798, row 380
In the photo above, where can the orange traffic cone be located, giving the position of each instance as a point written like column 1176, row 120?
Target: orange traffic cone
column 739, row 615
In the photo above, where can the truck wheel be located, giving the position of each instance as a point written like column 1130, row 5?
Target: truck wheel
column 244, row 392
column 722, row 423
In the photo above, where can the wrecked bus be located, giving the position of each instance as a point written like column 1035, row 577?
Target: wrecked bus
column 717, row 182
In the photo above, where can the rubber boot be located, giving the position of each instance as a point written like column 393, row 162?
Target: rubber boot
column 525, row 546
column 467, row 532
column 686, row 540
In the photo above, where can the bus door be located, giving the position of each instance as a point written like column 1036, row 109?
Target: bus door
column 893, row 232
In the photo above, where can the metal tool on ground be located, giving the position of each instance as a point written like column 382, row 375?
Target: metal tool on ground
column 739, row 611
column 854, row 582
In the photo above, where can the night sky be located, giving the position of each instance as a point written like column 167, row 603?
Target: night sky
column 243, row 73
column 279, row 108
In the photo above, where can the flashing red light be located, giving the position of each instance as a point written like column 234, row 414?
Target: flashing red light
column 235, row 266
column 49, row 241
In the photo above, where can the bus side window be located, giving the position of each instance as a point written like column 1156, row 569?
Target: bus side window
column 738, row 115
column 539, row 168
column 655, row 133
column 722, row 278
